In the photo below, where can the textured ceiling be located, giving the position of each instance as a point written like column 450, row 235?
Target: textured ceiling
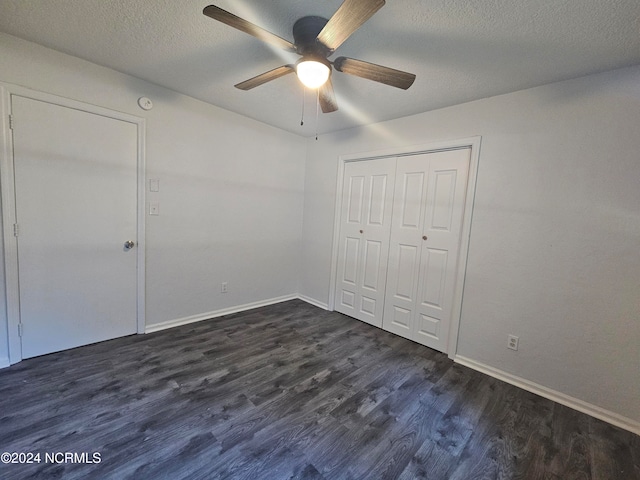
column 460, row 50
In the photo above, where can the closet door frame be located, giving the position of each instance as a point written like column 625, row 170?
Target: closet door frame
column 471, row 142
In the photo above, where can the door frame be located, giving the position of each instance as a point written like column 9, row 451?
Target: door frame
column 471, row 142
column 7, row 189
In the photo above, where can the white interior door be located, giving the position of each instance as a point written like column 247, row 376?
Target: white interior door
column 76, row 198
column 425, row 243
column 364, row 238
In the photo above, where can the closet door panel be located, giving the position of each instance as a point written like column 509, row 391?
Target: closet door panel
column 433, row 276
column 372, row 265
column 378, row 208
column 351, row 256
column 348, row 272
column 407, row 223
column 411, row 198
column 407, row 258
column 446, row 191
column 400, row 295
column 355, row 199
column 364, row 238
column 350, row 242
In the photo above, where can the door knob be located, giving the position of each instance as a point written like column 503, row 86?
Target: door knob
column 361, row 231
column 424, row 237
column 129, row 244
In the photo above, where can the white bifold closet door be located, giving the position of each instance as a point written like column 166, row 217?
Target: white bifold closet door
column 400, row 228
column 428, row 209
column 364, row 239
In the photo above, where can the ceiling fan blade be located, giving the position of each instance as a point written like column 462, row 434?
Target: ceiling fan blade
column 265, row 77
column 347, row 19
column 377, row 73
column 245, row 26
column 327, row 98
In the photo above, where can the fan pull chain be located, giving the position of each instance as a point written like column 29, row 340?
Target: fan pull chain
column 317, row 111
column 304, row 90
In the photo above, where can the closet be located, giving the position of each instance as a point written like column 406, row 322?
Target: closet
column 399, row 242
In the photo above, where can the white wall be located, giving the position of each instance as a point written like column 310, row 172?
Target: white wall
column 554, row 251
column 231, row 196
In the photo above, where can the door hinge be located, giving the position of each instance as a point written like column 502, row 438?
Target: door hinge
column 10, row 122
column 16, row 230
column 19, row 329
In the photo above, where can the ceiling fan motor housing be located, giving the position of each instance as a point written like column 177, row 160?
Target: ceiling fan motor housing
column 305, row 34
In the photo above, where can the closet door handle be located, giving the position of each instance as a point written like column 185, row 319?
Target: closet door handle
column 361, row 231
column 424, row 237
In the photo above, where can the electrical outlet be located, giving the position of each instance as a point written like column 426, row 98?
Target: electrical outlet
column 512, row 342
column 224, row 288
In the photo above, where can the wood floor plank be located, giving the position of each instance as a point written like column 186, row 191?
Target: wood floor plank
column 634, row 446
column 291, row 391
column 568, row 451
column 614, row 453
column 360, row 448
column 431, row 462
column 486, row 453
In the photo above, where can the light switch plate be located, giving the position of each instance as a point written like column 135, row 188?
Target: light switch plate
column 154, row 209
column 154, row 184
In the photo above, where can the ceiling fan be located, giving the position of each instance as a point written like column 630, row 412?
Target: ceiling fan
column 316, row 39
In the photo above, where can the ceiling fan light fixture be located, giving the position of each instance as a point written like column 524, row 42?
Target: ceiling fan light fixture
column 313, row 72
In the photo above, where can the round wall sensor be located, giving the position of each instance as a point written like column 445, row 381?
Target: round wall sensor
column 145, row 103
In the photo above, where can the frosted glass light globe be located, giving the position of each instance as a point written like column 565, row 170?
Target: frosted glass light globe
column 312, row 74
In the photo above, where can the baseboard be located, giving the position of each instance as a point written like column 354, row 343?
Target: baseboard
column 217, row 313
column 559, row 397
column 313, row 302
column 4, row 362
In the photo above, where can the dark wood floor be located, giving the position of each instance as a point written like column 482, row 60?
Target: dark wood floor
column 291, row 391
